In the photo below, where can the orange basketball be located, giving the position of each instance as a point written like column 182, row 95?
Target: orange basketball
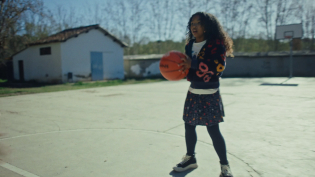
column 169, row 66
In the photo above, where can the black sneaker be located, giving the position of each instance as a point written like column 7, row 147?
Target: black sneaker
column 226, row 171
column 188, row 162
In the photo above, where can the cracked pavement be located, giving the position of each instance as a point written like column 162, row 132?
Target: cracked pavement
column 137, row 130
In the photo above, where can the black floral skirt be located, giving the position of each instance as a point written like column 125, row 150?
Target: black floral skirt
column 204, row 109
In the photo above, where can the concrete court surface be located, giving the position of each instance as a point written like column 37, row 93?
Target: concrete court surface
column 137, row 130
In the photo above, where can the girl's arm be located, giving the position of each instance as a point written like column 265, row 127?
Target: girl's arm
column 187, row 62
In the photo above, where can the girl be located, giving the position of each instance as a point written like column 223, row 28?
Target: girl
column 207, row 45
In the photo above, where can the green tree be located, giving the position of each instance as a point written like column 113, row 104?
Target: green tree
column 11, row 12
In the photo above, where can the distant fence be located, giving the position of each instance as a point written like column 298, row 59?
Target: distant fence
column 258, row 64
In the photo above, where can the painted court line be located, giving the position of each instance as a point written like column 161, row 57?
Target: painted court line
column 16, row 170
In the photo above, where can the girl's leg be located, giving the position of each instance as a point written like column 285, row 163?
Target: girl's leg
column 191, row 138
column 218, row 143
column 188, row 161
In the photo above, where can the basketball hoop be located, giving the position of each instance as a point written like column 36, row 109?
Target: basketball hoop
column 288, row 34
column 288, row 37
column 289, row 31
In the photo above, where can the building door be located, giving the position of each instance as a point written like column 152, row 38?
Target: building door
column 97, row 66
column 21, row 70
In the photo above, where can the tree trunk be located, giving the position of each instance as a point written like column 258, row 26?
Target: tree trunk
column 313, row 31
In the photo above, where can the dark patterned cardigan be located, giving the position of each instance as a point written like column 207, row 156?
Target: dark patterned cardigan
column 206, row 70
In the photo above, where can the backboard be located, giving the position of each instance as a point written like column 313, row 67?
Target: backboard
column 289, row 31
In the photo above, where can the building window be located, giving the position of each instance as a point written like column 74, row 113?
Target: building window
column 45, row 51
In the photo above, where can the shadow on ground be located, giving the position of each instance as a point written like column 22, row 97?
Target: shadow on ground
column 14, row 84
column 180, row 174
column 270, row 84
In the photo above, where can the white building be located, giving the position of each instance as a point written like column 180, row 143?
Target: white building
column 77, row 54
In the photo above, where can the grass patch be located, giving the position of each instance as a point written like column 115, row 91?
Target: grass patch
column 10, row 91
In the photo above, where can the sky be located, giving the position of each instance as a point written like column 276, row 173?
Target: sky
column 70, row 3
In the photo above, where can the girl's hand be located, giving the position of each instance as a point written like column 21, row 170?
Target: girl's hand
column 186, row 64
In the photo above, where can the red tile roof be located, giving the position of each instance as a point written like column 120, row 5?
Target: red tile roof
column 74, row 32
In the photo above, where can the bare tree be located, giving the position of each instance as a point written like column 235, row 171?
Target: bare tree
column 242, row 23
column 97, row 16
column 156, row 25
column 309, row 22
column 286, row 11
column 163, row 23
column 264, row 10
column 118, row 21
column 313, row 29
column 137, row 21
column 112, row 16
column 169, row 18
column 209, row 6
column 37, row 26
column 230, row 13
column 282, row 12
column 245, row 17
column 61, row 18
column 185, row 9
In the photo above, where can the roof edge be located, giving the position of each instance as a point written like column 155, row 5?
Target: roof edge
column 95, row 26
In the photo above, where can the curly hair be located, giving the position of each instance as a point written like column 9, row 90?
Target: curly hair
column 213, row 29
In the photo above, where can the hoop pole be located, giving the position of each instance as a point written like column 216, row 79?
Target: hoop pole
column 291, row 60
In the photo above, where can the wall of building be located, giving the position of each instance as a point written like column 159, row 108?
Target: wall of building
column 40, row 68
column 75, row 54
column 142, row 66
column 271, row 64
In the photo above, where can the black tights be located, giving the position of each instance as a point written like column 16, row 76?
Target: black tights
column 217, row 140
